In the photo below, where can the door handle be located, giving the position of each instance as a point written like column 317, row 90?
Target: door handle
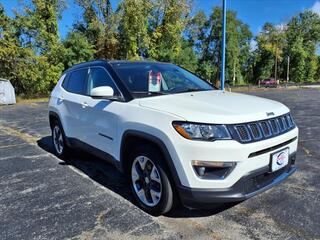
column 61, row 98
column 84, row 105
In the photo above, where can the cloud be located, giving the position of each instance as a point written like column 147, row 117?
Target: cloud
column 281, row 27
column 253, row 45
column 316, row 7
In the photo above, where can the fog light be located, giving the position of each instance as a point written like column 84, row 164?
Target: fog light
column 201, row 171
column 213, row 170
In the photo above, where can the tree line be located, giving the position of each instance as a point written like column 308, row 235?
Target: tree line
column 33, row 55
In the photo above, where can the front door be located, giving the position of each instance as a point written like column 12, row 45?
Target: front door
column 101, row 114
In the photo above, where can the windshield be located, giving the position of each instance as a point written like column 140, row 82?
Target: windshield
column 148, row 78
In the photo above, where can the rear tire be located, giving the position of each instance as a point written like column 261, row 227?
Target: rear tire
column 149, row 180
column 60, row 146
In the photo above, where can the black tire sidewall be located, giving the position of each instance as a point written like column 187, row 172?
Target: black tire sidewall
column 167, row 197
column 63, row 154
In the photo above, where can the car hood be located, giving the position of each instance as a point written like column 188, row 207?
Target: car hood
column 215, row 107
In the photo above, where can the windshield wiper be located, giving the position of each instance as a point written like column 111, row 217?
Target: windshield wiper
column 150, row 93
column 192, row 90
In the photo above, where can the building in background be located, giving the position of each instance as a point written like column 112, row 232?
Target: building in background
column 7, row 93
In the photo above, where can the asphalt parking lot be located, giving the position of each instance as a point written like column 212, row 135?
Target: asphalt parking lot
column 43, row 197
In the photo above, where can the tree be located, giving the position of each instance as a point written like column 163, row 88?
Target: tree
column 206, row 34
column 9, row 50
column 32, row 54
column 38, row 24
column 168, row 19
column 99, row 25
column 77, row 49
column 30, row 47
column 186, row 57
column 133, row 28
column 271, row 41
column 303, row 36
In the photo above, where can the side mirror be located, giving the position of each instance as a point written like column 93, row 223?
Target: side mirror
column 104, row 92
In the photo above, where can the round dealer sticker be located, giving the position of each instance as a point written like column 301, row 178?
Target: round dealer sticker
column 281, row 158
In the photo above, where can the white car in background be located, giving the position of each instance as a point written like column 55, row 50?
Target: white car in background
column 175, row 137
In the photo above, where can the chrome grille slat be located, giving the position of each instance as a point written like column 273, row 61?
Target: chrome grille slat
column 255, row 131
column 281, row 124
column 274, row 126
column 285, row 122
column 243, row 133
column 264, row 129
column 289, row 120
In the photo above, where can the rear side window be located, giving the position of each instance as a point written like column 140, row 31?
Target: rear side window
column 76, row 82
column 65, row 82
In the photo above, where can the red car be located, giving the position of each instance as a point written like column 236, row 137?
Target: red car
column 269, row 82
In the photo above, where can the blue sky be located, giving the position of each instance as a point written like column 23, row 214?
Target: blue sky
column 253, row 12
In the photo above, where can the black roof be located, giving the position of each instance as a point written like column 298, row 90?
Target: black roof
column 135, row 62
column 102, row 62
column 88, row 64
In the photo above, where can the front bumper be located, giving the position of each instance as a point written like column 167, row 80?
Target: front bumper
column 248, row 186
column 248, row 158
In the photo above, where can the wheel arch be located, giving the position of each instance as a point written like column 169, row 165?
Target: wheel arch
column 132, row 138
column 53, row 116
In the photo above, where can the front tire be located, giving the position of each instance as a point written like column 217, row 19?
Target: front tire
column 149, row 181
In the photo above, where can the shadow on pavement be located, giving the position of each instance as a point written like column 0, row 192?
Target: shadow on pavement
column 108, row 176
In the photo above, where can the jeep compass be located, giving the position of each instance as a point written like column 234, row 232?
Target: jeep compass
column 174, row 136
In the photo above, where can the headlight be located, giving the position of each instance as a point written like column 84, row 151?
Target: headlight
column 206, row 132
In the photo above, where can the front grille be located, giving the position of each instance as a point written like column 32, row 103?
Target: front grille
column 256, row 131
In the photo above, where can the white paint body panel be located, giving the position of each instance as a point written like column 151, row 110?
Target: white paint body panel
column 154, row 116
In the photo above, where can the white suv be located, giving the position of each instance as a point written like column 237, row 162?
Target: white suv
column 172, row 134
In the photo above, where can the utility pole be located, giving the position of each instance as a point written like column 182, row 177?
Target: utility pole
column 234, row 73
column 223, row 60
column 276, row 65
column 288, row 69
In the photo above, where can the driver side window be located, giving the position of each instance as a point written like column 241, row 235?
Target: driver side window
column 98, row 77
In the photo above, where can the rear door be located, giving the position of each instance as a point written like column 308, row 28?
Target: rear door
column 101, row 115
column 75, row 103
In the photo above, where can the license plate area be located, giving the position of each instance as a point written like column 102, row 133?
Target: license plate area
column 279, row 159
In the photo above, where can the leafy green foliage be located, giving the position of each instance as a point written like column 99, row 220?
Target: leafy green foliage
column 206, row 34
column 303, row 36
column 168, row 21
column 99, row 25
column 33, row 56
column 133, row 26
column 76, row 49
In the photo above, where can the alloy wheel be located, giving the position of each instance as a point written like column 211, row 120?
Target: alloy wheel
column 58, row 139
column 146, row 181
